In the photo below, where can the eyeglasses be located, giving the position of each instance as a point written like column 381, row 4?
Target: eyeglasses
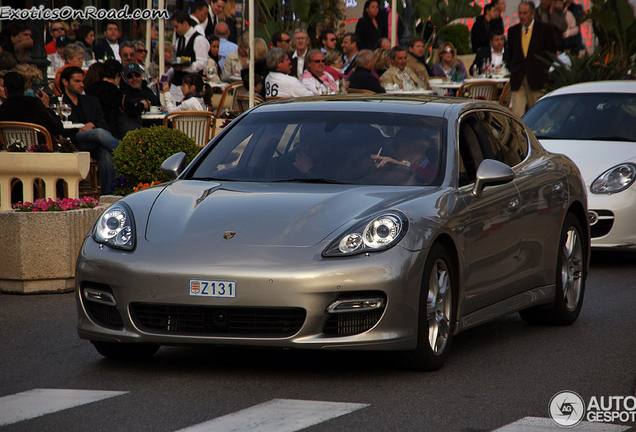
column 285, row 40
column 319, row 61
column 332, row 40
column 447, row 51
column 142, row 51
column 57, row 29
column 133, row 75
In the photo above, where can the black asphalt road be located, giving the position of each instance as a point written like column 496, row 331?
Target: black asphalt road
column 497, row 373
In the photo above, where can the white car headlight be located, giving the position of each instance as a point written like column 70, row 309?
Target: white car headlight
column 379, row 233
column 615, row 179
column 116, row 227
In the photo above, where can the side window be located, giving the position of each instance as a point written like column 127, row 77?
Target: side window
column 506, row 137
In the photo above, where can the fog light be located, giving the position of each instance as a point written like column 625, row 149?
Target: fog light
column 355, row 305
column 98, row 296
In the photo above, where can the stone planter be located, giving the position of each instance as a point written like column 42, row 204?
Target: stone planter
column 38, row 250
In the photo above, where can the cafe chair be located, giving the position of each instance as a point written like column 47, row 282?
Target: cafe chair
column 228, row 98
column 486, row 90
column 243, row 102
column 25, row 132
column 198, row 125
column 504, row 97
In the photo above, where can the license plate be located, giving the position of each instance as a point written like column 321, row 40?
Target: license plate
column 212, row 288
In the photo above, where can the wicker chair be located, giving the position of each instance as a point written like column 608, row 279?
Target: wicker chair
column 198, row 125
column 25, row 132
column 479, row 90
column 243, row 102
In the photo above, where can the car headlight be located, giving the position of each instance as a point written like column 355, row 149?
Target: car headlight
column 615, row 179
column 379, row 233
column 116, row 227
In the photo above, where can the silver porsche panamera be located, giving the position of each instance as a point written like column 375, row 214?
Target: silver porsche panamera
column 375, row 223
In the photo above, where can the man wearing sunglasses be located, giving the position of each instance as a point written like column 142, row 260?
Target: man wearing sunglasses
column 328, row 40
column 281, row 39
column 56, row 29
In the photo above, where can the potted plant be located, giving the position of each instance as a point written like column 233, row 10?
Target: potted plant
column 40, row 243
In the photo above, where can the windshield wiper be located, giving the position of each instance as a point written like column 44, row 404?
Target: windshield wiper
column 308, row 180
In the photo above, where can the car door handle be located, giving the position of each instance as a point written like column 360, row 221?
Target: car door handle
column 514, row 204
column 558, row 187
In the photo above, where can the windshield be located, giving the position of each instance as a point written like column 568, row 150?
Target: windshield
column 595, row 116
column 328, row 147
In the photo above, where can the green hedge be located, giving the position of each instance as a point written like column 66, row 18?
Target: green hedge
column 141, row 152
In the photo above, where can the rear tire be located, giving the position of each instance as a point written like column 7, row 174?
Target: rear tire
column 438, row 306
column 125, row 351
column 570, row 279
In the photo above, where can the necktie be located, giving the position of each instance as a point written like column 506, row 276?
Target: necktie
column 525, row 29
column 180, row 44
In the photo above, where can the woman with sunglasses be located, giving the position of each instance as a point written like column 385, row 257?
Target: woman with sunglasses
column 449, row 65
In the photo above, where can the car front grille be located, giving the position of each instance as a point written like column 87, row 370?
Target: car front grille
column 217, row 321
column 102, row 314
column 352, row 323
column 601, row 223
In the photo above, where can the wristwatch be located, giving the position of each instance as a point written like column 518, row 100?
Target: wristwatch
column 406, row 163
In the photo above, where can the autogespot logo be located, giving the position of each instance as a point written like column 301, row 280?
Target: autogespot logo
column 567, row 409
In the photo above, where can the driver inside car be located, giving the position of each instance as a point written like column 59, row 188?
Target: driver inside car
column 416, row 149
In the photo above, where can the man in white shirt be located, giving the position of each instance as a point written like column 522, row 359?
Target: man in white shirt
column 222, row 31
column 278, row 82
column 200, row 15
column 301, row 41
column 190, row 44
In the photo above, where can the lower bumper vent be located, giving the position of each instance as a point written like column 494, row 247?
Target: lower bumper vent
column 217, row 321
column 102, row 314
column 348, row 324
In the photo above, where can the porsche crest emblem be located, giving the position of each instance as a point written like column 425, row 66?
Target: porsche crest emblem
column 229, row 234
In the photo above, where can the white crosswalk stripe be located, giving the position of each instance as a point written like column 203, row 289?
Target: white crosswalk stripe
column 38, row 402
column 538, row 424
column 280, row 415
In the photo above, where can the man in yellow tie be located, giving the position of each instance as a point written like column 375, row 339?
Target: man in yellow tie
column 527, row 41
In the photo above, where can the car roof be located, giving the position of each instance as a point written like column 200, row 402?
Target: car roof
column 406, row 104
column 625, row 86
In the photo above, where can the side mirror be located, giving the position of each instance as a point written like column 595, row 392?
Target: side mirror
column 491, row 173
column 174, row 165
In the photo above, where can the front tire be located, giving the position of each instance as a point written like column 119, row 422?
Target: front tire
column 570, row 279
column 437, row 312
column 125, row 351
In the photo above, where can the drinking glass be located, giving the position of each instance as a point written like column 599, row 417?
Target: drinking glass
column 66, row 111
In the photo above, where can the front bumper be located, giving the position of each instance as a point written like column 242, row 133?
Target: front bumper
column 155, row 277
column 615, row 226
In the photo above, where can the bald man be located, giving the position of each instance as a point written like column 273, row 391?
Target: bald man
column 222, row 31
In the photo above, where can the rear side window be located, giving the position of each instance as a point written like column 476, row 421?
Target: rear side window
column 506, row 138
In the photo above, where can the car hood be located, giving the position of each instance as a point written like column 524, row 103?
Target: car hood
column 271, row 214
column 593, row 157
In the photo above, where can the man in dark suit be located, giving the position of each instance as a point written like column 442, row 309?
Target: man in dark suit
column 27, row 109
column 94, row 136
column 496, row 52
column 108, row 48
column 362, row 77
column 527, row 41
column 216, row 14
